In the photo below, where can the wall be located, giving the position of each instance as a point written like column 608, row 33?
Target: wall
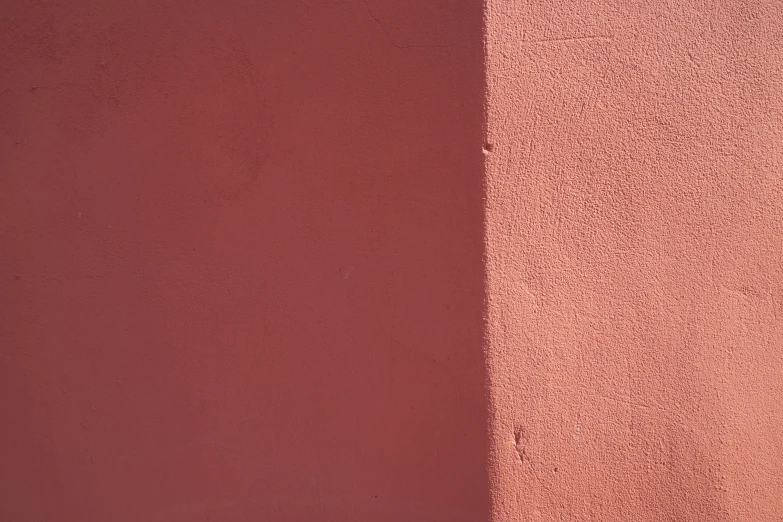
column 254, row 265
column 634, row 226
column 241, row 261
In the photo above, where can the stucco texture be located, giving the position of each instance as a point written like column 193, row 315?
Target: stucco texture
column 635, row 260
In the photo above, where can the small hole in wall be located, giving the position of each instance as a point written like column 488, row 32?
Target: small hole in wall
column 488, row 148
column 519, row 446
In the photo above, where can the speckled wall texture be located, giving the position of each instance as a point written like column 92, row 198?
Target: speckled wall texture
column 635, row 260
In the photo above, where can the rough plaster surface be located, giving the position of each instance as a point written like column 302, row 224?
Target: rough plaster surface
column 635, row 260
column 241, row 271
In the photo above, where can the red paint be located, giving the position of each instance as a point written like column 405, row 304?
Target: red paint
column 241, row 268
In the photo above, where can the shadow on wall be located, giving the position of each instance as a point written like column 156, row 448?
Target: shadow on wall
column 242, row 269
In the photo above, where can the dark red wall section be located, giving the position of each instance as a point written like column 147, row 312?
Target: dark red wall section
column 240, row 261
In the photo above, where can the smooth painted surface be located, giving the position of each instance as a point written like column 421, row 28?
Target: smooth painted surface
column 241, row 261
column 635, row 260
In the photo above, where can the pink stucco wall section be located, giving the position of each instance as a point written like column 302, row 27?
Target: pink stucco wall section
column 635, row 260
column 391, row 261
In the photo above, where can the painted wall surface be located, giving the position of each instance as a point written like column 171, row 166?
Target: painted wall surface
column 241, row 269
column 635, row 260
column 254, row 264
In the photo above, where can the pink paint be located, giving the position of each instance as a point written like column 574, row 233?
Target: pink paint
column 635, row 282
